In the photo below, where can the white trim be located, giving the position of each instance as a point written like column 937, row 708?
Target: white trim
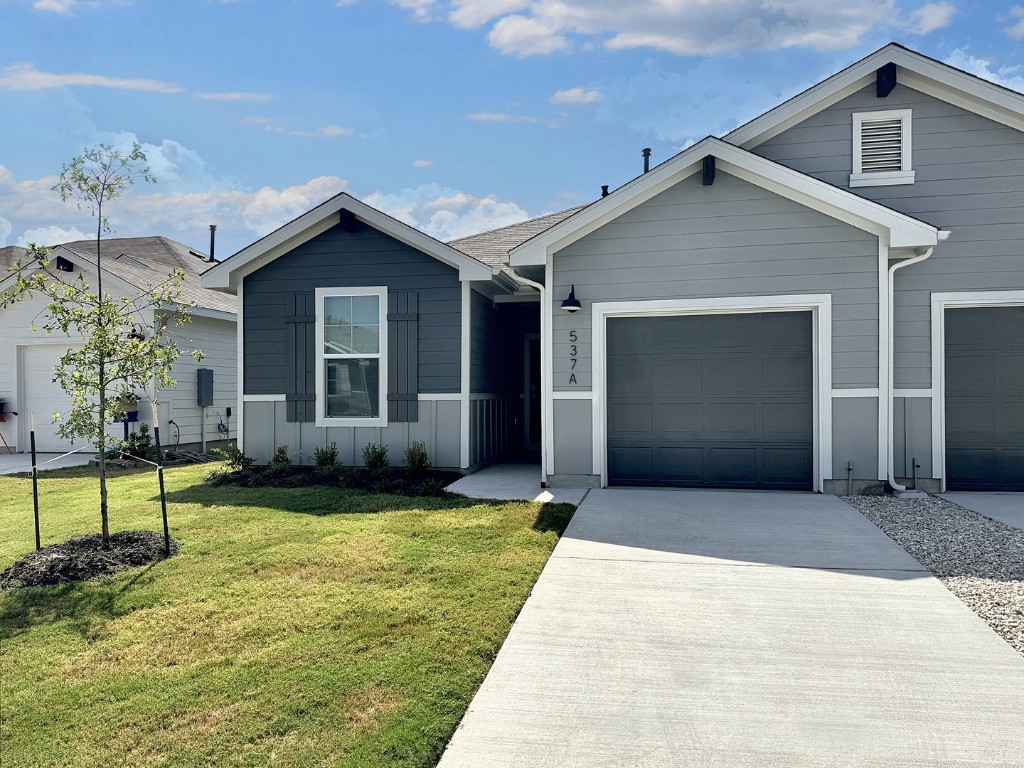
column 440, row 396
column 573, row 395
column 909, row 393
column 240, row 363
column 862, row 392
column 547, row 363
column 940, row 303
column 225, row 276
column 903, row 231
column 465, row 361
column 381, row 420
column 820, row 305
column 884, row 341
column 264, row 398
column 861, row 178
column 914, row 70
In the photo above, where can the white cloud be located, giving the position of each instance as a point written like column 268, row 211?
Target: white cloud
column 525, row 36
column 575, row 96
column 1016, row 30
column 1008, row 77
column 422, row 163
column 326, row 132
column 233, row 96
column 499, row 117
column 420, row 9
column 51, row 235
column 55, row 6
column 931, row 17
column 446, row 213
column 5, row 231
column 470, row 14
column 25, row 77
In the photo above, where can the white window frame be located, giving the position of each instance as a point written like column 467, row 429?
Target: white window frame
column 883, row 178
column 380, row 291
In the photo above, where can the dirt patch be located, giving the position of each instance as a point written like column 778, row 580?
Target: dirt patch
column 85, row 558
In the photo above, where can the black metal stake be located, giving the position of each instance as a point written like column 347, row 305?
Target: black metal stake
column 35, row 485
column 163, row 496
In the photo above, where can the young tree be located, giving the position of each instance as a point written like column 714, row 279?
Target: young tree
column 125, row 343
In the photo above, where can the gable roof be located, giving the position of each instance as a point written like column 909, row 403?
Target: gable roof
column 903, row 231
column 913, row 69
column 142, row 263
column 492, row 247
column 226, row 275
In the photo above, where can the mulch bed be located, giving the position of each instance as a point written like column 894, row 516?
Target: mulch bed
column 84, row 558
column 397, row 480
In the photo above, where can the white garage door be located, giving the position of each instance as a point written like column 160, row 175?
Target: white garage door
column 43, row 397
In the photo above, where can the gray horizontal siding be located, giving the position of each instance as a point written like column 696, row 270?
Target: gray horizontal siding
column 729, row 239
column 969, row 179
column 352, row 259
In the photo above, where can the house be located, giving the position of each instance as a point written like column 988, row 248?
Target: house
column 830, row 297
column 130, row 266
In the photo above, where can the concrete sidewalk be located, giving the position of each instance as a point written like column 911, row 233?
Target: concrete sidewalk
column 701, row 628
column 513, row 481
column 12, row 463
column 1006, row 507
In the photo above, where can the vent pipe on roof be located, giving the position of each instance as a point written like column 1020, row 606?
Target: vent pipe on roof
column 647, row 159
column 213, row 239
column 604, row 190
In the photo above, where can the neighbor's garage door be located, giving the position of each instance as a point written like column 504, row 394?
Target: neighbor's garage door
column 711, row 400
column 43, row 397
column 985, row 398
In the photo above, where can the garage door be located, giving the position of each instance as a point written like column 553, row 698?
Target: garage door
column 985, row 398
column 43, row 397
column 711, row 400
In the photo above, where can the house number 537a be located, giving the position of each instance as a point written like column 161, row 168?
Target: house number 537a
column 573, row 359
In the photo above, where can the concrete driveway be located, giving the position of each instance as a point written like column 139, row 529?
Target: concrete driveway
column 12, row 463
column 704, row 628
column 1005, row 507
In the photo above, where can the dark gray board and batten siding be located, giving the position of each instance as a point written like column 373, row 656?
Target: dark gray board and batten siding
column 337, row 259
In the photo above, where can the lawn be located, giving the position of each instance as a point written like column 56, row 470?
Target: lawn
column 298, row 627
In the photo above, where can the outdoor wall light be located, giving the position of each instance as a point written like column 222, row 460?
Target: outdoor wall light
column 571, row 303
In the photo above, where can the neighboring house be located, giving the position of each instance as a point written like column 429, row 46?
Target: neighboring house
column 820, row 299
column 130, row 267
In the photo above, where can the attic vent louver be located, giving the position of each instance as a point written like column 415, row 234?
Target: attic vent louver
column 881, row 148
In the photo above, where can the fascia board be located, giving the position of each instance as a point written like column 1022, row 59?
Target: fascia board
column 226, row 276
column 535, row 252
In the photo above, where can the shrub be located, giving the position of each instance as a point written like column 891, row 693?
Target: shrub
column 281, row 462
column 326, row 457
column 417, row 460
column 375, row 457
column 430, row 487
column 139, row 445
column 236, row 460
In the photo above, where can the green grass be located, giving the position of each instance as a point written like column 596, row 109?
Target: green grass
column 298, row 627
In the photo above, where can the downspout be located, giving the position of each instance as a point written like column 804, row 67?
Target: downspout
column 920, row 255
column 543, row 370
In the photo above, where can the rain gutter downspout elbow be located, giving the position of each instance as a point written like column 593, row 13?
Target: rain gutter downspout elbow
column 920, row 255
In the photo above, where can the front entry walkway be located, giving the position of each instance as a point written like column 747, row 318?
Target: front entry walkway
column 1006, row 507
column 703, row 628
column 513, row 481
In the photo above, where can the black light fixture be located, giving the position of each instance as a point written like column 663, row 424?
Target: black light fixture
column 571, row 303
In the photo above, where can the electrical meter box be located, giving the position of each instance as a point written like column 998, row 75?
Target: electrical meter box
column 204, row 387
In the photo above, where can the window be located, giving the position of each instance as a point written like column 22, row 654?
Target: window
column 881, row 149
column 351, row 343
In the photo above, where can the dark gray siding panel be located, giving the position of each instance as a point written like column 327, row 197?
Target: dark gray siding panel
column 970, row 180
column 340, row 259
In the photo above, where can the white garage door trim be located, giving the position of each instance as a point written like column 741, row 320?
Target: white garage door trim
column 940, row 303
column 820, row 306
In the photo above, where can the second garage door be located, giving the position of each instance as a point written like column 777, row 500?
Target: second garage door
column 711, row 400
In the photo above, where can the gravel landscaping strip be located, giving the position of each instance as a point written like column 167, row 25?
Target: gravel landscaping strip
column 979, row 560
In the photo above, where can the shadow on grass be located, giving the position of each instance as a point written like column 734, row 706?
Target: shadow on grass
column 85, row 606
column 554, row 517
column 79, row 473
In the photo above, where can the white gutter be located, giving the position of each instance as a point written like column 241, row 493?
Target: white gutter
column 920, row 255
column 544, row 422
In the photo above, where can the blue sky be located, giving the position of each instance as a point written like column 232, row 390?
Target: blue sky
column 453, row 115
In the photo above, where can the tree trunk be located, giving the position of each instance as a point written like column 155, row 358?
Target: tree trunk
column 101, row 441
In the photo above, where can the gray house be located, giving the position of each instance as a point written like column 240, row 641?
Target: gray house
column 830, row 296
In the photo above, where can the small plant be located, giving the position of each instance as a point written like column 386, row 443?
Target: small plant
column 281, row 462
column 375, row 457
column 430, row 487
column 139, row 445
column 326, row 460
column 417, row 460
column 236, row 460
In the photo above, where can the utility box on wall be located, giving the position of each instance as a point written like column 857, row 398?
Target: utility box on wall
column 204, row 387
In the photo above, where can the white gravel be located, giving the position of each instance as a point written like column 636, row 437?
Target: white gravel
column 979, row 560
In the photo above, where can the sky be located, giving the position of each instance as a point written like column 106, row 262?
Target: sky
column 455, row 116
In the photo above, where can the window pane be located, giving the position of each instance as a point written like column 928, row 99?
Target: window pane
column 352, row 388
column 351, row 325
